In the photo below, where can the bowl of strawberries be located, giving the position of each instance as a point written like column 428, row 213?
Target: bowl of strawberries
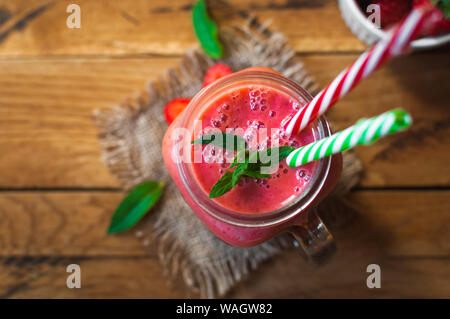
column 369, row 19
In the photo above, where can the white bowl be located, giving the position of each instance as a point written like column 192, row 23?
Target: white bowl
column 367, row 32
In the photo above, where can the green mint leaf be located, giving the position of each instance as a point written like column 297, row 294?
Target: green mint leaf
column 135, row 205
column 240, row 170
column 206, row 30
column 444, row 6
column 240, row 156
column 257, row 157
column 256, row 174
column 250, row 167
column 224, row 140
column 222, row 186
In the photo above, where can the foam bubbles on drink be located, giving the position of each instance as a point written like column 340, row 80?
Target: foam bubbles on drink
column 253, row 134
column 257, row 99
column 210, row 130
column 294, row 105
column 301, row 174
column 254, row 92
column 223, row 118
column 215, row 123
column 212, row 154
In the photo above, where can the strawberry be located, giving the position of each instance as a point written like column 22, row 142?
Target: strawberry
column 174, row 108
column 216, row 72
column 439, row 23
column 392, row 11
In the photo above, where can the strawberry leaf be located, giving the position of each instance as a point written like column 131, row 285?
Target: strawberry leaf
column 222, row 186
column 135, row 205
column 206, row 30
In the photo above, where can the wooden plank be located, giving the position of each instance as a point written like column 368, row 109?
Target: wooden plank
column 60, row 228
column 46, row 108
column 286, row 276
column 100, row 278
column 114, row 27
column 290, row 277
column 396, row 223
column 48, row 139
column 62, row 223
column 403, row 223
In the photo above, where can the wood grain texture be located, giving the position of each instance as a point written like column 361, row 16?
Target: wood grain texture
column 49, row 139
column 46, row 108
column 62, row 224
column 75, row 223
column 43, row 277
column 290, row 277
column 53, row 212
column 286, row 276
column 37, row 28
column 391, row 230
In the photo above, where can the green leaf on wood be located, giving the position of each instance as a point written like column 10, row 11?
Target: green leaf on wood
column 135, row 205
column 206, row 30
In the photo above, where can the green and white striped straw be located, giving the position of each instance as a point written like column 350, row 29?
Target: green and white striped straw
column 364, row 132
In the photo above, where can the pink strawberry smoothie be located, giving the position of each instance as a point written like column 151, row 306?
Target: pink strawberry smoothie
column 252, row 108
column 257, row 209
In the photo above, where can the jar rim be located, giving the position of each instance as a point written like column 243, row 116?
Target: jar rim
column 269, row 218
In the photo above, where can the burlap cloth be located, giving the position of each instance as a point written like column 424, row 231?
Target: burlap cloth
column 131, row 134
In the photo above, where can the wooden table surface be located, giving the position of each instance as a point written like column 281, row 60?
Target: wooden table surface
column 56, row 196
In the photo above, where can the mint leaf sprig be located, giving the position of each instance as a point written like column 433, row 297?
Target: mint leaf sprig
column 245, row 163
column 135, row 206
column 206, row 30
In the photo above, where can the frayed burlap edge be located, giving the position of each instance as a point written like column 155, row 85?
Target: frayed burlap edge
column 131, row 135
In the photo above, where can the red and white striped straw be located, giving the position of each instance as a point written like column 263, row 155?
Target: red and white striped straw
column 396, row 43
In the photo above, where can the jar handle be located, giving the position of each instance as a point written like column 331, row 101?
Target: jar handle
column 312, row 239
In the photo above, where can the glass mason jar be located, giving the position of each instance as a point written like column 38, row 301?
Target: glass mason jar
column 299, row 216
